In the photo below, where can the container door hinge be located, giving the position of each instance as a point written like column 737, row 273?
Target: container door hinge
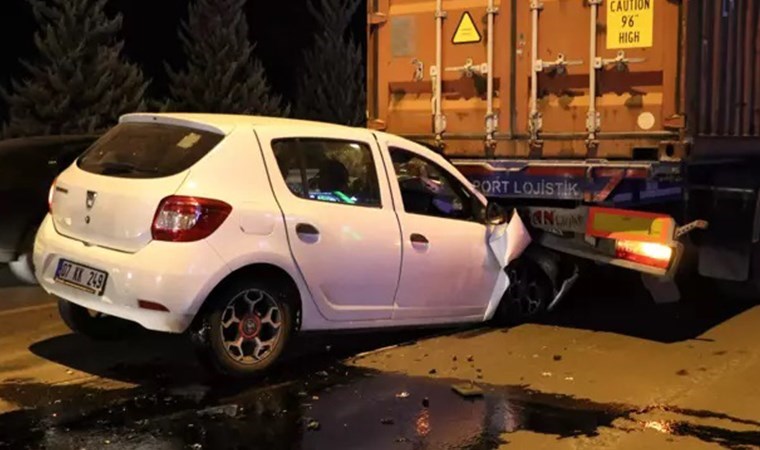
column 535, row 125
column 593, row 121
column 492, row 121
column 419, row 70
column 376, row 18
column 377, row 124
column 675, row 122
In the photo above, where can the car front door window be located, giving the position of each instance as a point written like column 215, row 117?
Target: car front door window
column 427, row 189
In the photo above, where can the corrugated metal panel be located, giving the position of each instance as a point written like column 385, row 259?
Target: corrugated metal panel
column 726, row 121
column 617, row 78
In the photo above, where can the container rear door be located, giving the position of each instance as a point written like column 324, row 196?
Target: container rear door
column 598, row 78
column 405, row 67
column 606, row 73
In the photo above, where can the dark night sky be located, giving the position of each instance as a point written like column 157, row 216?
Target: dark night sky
column 282, row 30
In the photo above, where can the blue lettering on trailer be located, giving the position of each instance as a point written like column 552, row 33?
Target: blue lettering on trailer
column 529, row 187
column 611, row 183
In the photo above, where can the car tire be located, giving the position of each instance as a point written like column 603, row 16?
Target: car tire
column 529, row 293
column 95, row 326
column 23, row 267
column 245, row 329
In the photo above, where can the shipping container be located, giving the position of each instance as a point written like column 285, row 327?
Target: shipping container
column 568, row 79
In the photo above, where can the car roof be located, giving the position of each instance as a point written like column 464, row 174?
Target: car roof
column 225, row 123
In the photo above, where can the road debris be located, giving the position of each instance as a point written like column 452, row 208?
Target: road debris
column 322, row 373
column 546, row 374
column 227, row 410
column 387, row 421
column 403, row 394
column 432, row 371
column 467, row 390
column 558, row 357
column 470, row 358
column 194, row 392
column 425, row 402
column 313, row 425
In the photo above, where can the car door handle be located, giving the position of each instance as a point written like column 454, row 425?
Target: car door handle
column 417, row 238
column 305, row 228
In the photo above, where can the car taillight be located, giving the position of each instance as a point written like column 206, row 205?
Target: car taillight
column 187, row 219
column 647, row 253
column 51, row 192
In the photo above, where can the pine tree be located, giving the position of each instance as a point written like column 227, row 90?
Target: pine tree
column 222, row 74
column 79, row 82
column 332, row 87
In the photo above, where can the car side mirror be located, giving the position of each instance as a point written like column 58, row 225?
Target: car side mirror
column 495, row 214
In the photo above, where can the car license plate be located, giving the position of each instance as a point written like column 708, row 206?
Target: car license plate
column 81, row 277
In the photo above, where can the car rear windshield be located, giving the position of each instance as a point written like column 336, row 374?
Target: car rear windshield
column 148, row 150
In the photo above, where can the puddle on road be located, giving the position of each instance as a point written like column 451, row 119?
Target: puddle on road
column 347, row 408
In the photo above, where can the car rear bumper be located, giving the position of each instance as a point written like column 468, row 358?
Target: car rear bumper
column 177, row 276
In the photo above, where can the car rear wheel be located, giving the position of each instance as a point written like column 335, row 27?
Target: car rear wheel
column 528, row 295
column 245, row 329
column 94, row 325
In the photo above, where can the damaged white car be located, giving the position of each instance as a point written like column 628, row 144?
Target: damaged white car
column 244, row 230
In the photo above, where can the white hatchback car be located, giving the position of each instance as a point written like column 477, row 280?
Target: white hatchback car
column 244, row 229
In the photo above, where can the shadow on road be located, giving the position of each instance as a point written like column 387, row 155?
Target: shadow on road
column 7, row 280
column 151, row 359
column 616, row 301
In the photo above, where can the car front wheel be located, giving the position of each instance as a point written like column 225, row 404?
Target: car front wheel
column 245, row 329
column 529, row 294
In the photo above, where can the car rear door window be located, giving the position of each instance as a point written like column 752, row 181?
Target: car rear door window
column 328, row 170
column 148, row 150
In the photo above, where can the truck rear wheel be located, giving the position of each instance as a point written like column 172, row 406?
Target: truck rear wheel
column 529, row 293
column 741, row 291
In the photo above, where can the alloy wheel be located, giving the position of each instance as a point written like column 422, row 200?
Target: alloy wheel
column 251, row 326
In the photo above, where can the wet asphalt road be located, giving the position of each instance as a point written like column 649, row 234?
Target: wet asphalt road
column 609, row 370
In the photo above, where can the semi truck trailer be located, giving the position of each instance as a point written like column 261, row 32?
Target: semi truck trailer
column 623, row 132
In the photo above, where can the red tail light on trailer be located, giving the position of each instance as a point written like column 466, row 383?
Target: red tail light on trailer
column 188, row 219
column 647, row 253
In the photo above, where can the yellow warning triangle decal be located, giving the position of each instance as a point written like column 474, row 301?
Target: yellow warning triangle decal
column 467, row 32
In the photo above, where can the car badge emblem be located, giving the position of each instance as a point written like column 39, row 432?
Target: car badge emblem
column 91, row 196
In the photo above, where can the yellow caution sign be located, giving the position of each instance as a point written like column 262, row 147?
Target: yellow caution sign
column 467, row 32
column 630, row 23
